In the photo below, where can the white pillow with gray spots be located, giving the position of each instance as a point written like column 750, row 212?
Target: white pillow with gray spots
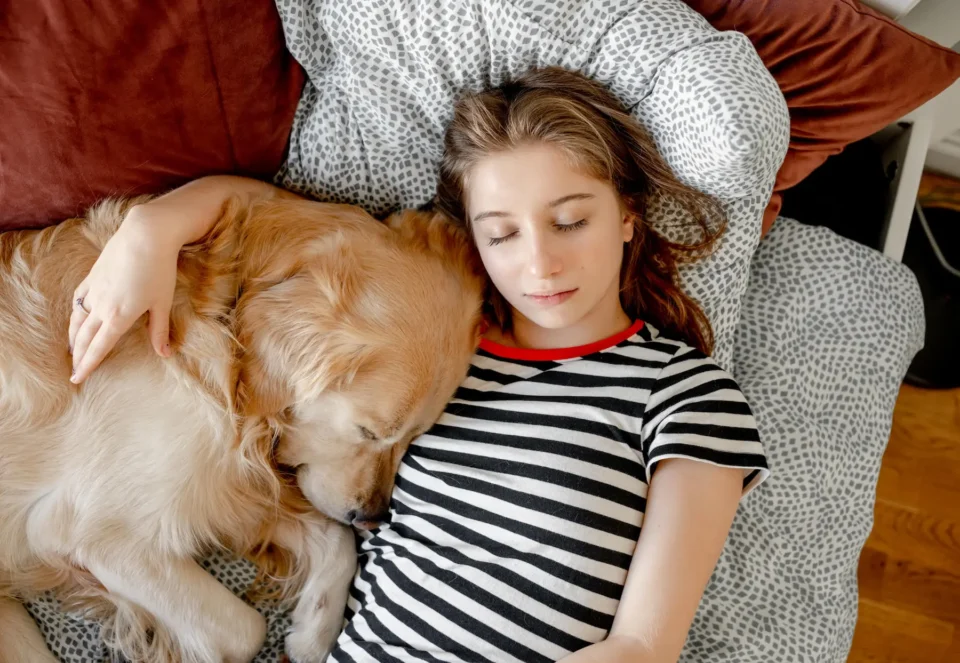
column 826, row 327
column 827, row 330
column 383, row 79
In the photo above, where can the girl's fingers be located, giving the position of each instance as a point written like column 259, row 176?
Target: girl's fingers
column 85, row 335
column 77, row 314
column 159, row 326
column 107, row 336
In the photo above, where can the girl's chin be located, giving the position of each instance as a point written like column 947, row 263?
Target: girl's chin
column 557, row 317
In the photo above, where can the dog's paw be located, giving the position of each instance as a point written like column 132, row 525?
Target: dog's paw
column 313, row 637
column 246, row 639
column 305, row 647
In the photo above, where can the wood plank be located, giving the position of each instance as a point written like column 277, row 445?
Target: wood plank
column 938, row 451
column 926, row 425
column 912, row 533
column 938, row 190
column 873, row 564
column 927, row 590
column 921, row 467
column 908, row 485
column 896, row 485
column 909, row 573
column 892, row 635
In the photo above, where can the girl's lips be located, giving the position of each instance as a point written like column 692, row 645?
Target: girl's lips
column 554, row 299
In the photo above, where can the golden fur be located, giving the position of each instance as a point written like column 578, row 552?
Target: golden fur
column 295, row 324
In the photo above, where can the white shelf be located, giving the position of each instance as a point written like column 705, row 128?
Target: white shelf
column 904, row 152
column 926, row 135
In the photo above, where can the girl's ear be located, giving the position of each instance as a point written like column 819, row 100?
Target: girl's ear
column 628, row 227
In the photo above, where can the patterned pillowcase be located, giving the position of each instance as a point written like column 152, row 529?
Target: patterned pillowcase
column 383, row 79
column 828, row 330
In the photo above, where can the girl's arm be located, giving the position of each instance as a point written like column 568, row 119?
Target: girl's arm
column 186, row 214
column 137, row 270
column 690, row 507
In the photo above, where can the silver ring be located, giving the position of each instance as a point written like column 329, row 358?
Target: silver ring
column 79, row 303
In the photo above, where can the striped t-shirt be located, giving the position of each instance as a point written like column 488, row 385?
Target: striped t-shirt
column 514, row 519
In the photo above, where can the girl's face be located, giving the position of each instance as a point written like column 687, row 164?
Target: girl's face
column 550, row 237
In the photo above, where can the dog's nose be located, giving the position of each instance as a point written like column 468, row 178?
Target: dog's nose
column 367, row 521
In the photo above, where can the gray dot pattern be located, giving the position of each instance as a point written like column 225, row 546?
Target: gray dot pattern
column 827, row 330
column 383, row 78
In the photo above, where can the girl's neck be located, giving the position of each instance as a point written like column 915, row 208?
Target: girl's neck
column 600, row 323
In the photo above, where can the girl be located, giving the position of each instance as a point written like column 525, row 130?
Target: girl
column 591, row 406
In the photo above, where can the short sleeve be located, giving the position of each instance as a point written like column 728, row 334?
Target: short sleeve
column 697, row 411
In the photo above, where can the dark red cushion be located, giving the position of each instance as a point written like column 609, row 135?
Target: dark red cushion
column 846, row 71
column 108, row 97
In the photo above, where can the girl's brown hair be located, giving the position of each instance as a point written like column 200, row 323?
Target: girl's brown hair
column 584, row 120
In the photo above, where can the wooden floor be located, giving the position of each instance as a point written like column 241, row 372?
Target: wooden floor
column 939, row 191
column 910, row 568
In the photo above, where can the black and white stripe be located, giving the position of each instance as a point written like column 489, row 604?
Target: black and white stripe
column 515, row 517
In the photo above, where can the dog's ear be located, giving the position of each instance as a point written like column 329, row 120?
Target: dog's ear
column 333, row 365
column 261, row 392
column 297, row 367
column 269, row 335
column 296, row 335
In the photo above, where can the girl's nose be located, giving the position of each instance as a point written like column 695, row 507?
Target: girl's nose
column 544, row 260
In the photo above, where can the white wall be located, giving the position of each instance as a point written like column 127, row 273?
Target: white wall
column 946, row 114
column 893, row 8
column 938, row 20
column 944, row 153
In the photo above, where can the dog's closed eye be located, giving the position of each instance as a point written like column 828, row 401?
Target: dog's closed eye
column 367, row 434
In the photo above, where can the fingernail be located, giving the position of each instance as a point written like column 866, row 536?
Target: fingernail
column 73, row 377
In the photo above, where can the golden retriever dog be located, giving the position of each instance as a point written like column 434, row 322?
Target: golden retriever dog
column 312, row 344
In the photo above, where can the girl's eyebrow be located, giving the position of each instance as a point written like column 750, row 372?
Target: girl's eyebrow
column 567, row 199
column 486, row 215
column 553, row 203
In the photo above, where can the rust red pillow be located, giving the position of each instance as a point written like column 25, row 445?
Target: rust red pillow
column 846, row 71
column 108, row 97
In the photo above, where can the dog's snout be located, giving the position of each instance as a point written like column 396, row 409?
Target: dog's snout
column 367, row 520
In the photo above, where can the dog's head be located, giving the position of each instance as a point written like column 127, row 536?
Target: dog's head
column 356, row 336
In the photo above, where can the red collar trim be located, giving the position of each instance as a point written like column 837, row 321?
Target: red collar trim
column 556, row 354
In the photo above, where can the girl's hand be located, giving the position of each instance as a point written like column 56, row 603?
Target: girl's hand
column 137, row 271
column 135, row 274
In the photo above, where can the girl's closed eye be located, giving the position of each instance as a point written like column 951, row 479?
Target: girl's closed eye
column 501, row 239
column 562, row 227
column 565, row 227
